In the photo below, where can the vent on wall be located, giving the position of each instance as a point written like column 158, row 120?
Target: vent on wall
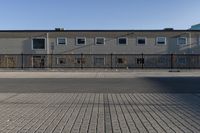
column 168, row 29
column 59, row 29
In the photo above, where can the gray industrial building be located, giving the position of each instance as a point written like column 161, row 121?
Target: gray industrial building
column 100, row 41
column 37, row 44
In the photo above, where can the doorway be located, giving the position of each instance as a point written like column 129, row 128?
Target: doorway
column 38, row 61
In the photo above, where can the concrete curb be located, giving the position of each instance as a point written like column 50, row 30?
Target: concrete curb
column 96, row 74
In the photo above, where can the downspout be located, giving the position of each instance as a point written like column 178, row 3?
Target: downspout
column 190, row 41
column 48, row 50
column 47, row 43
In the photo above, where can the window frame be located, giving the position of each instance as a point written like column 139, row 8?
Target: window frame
column 123, row 59
column 178, row 42
column 79, row 60
column 61, row 38
column 140, row 60
column 157, row 38
column 162, row 60
column 141, row 38
column 104, row 39
column 122, row 38
column 45, row 43
column 179, row 59
column 36, row 56
column 104, row 60
column 80, row 38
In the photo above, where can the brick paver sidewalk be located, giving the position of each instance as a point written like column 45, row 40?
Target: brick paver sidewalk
column 97, row 112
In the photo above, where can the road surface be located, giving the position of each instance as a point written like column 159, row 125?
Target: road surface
column 102, row 85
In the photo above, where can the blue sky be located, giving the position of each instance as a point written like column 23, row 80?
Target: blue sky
column 98, row 14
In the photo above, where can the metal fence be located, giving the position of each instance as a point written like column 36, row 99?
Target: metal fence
column 128, row 61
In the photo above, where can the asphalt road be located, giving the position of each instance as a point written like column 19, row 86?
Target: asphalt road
column 102, row 85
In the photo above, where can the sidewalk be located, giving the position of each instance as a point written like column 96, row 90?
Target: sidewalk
column 124, row 105
column 97, row 74
column 99, row 113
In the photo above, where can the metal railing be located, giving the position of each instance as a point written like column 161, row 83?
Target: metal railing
column 128, row 61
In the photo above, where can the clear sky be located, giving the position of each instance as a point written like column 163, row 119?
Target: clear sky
column 98, row 14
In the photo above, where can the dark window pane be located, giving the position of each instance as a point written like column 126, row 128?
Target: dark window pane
column 61, row 61
column 140, row 60
column 61, row 41
column 141, row 41
column 161, row 40
column 81, row 41
column 182, row 40
column 38, row 43
column 99, row 61
column 120, row 61
column 122, row 41
column 80, row 61
column 100, row 41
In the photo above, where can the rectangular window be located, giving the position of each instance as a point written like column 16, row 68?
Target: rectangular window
column 61, row 41
column 38, row 43
column 181, row 60
column 99, row 61
column 122, row 41
column 38, row 61
column 79, row 60
column 100, row 41
column 80, row 41
column 61, row 61
column 141, row 40
column 162, row 60
column 182, row 41
column 121, row 61
column 140, row 60
column 161, row 40
column 11, row 61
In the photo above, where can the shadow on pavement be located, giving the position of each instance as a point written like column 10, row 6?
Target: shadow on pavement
column 124, row 85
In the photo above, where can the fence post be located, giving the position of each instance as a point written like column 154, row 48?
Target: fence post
column 22, row 62
column 172, row 65
column 142, row 61
column 81, row 61
column 111, row 62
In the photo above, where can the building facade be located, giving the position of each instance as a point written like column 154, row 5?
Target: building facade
column 38, row 43
column 100, row 42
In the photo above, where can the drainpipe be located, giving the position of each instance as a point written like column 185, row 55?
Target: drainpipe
column 47, row 43
column 190, row 42
column 48, row 50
